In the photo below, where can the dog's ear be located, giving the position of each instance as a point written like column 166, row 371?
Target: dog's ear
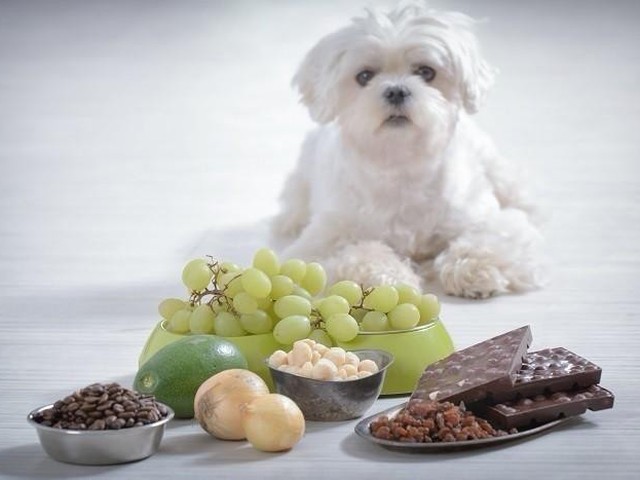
column 318, row 76
column 475, row 75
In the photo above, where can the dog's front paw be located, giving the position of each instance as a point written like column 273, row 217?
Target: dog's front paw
column 371, row 263
column 471, row 276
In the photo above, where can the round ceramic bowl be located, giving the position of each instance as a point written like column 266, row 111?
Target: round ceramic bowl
column 100, row 447
column 324, row 400
column 412, row 350
column 255, row 348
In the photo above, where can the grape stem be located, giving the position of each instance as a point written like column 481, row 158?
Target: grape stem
column 217, row 294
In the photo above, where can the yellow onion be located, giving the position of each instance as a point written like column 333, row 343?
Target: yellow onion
column 273, row 422
column 218, row 401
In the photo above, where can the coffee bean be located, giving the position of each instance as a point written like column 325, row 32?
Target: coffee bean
column 100, row 407
column 98, row 425
column 104, row 405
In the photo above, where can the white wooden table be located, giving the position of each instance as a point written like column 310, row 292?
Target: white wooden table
column 134, row 136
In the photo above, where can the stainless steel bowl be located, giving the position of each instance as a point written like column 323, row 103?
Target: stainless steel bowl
column 100, row 447
column 337, row 400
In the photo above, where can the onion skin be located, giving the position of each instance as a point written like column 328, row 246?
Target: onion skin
column 273, row 423
column 218, row 401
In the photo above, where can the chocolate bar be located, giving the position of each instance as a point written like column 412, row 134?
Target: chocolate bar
column 529, row 412
column 550, row 370
column 476, row 372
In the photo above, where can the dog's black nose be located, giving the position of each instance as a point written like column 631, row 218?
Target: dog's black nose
column 396, row 95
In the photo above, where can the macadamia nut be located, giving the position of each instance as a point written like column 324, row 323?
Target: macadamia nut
column 314, row 360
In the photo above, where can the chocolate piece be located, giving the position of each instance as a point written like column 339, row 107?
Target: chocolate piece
column 476, row 372
column 541, row 409
column 550, row 370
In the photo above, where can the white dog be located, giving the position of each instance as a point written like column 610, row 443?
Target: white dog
column 397, row 184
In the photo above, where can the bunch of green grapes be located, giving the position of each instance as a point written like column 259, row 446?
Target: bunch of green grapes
column 284, row 299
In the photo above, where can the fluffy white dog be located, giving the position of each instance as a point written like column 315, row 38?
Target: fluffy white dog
column 397, row 184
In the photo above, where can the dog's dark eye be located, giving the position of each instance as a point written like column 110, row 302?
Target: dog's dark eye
column 427, row 73
column 364, row 77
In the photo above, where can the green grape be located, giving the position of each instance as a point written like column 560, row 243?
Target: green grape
column 429, row 308
column 347, row 289
column 281, row 285
column 408, row 294
column 196, row 275
column 342, row 327
column 333, row 304
column 404, row 316
column 226, row 267
column 257, row 322
column 256, row 283
column 231, row 283
column 179, row 321
column 226, row 324
column 264, row 303
column 267, row 261
column 358, row 313
column 201, row 320
column 320, row 336
column 294, row 268
column 315, row 278
column 291, row 329
column 382, row 298
column 292, row 305
column 169, row 306
column 219, row 306
column 244, row 303
column 301, row 292
column 374, row 321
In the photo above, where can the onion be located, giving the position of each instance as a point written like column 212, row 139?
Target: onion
column 218, row 401
column 273, row 422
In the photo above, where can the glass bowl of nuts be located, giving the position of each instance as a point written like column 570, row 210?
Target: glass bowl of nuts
column 101, row 424
column 329, row 384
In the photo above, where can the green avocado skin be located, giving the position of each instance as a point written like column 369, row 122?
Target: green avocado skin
column 174, row 373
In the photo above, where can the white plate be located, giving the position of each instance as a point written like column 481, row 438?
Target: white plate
column 362, row 429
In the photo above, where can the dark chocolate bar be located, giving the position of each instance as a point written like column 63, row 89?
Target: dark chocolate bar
column 529, row 412
column 476, row 372
column 550, row 370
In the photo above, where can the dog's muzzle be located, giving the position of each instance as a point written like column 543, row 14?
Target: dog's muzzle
column 396, row 95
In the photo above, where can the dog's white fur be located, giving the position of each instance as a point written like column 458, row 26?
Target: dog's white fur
column 426, row 197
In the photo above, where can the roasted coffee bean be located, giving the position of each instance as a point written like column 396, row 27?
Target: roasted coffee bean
column 80, row 414
column 104, row 405
column 100, row 407
column 98, row 425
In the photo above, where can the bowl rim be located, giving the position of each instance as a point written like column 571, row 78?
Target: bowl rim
column 121, row 431
column 432, row 323
column 163, row 322
column 340, row 382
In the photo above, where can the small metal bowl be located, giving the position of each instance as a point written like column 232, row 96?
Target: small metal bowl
column 334, row 400
column 100, row 447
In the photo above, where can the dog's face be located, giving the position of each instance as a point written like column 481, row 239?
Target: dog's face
column 411, row 69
